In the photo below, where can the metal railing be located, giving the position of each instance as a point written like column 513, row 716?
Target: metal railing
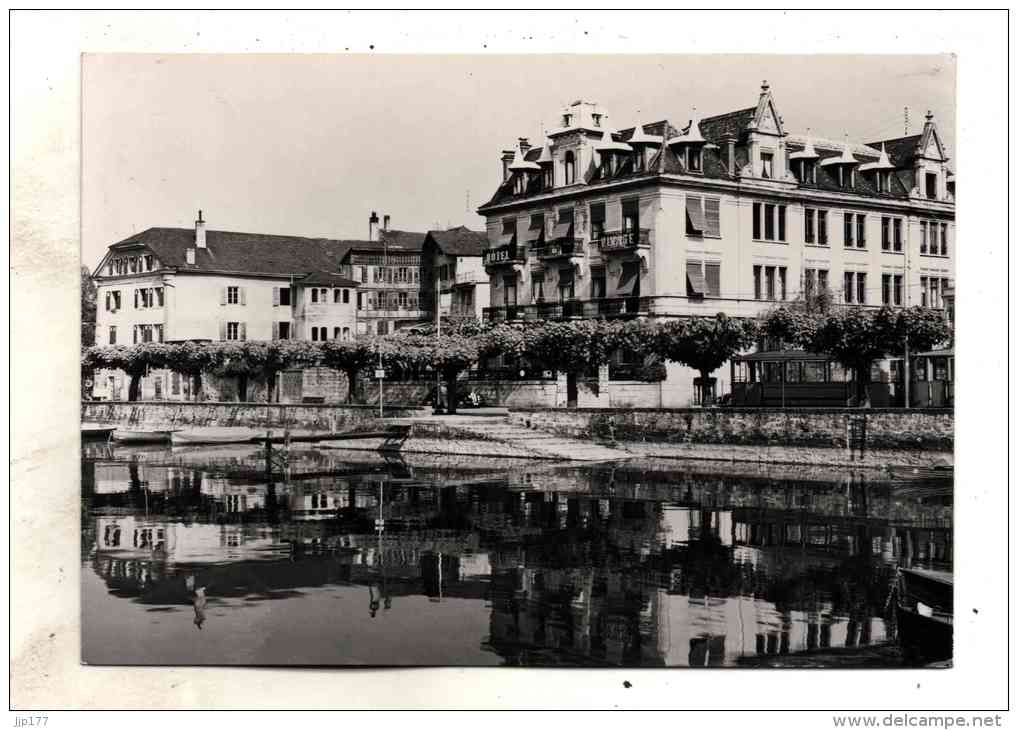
column 560, row 248
column 591, row 308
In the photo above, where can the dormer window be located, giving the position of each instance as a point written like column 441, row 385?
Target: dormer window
column 548, row 177
column 931, row 185
column 638, row 160
column 519, row 183
column 807, row 172
column 567, row 120
column 694, row 159
column 570, row 167
column 766, row 165
column 883, row 180
column 597, row 119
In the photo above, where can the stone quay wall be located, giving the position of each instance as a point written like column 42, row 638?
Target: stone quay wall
column 314, row 417
column 884, row 428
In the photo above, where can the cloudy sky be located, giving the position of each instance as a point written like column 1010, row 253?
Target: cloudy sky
column 310, row 144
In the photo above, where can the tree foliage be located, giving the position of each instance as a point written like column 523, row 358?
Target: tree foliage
column 88, row 308
column 853, row 336
column 703, row 343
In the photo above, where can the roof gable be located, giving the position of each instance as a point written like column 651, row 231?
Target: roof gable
column 459, row 241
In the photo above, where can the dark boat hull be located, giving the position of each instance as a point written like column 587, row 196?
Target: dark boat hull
column 924, row 639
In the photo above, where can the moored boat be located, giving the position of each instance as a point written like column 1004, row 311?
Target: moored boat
column 127, row 436
column 216, row 435
column 92, row 432
column 925, row 614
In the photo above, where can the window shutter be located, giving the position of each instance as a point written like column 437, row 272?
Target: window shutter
column 243, row 330
column 134, row 331
column 135, row 298
column 275, row 296
column 243, row 294
column 107, row 301
column 222, row 330
column 712, row 213
column 694, row 214
column 695, row 284
column 713, row 276
column 222, row 295
column 275, row 330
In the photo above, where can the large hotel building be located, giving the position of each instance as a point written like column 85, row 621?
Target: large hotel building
column 727, row 213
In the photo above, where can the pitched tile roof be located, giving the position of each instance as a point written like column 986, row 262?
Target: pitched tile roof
column 459, row 241
column 248, row 253
column 901, row 150
column 735, row 123
column 326, row 278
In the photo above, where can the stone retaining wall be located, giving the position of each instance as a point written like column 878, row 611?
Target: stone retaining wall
column 256, row 415
column 819, row 427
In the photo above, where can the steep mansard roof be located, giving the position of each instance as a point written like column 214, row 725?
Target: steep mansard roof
column 715, row 129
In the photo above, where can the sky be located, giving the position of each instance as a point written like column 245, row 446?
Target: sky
column 309, row 145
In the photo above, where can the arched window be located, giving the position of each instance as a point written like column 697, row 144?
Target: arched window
column 570, row 167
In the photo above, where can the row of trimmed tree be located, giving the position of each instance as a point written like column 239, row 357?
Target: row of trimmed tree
column 854, row 337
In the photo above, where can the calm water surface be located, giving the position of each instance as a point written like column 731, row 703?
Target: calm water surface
column 360, row 559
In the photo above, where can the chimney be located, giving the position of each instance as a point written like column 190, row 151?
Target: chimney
column 729, row 142
column 373, row 227
column 385, row 221
column 524, row 145
column 199, row 232
column 507, row 158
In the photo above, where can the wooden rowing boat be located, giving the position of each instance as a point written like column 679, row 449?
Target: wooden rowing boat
column 94, row 432
column 925, row 614
column 126, row 436
column 216, row 435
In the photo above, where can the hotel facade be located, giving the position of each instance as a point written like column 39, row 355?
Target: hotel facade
column 730, row 213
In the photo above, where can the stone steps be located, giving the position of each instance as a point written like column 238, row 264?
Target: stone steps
column 545, row 443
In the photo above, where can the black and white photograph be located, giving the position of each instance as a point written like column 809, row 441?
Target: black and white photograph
column 586, row 360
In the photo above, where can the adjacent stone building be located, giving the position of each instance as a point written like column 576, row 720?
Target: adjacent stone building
column 182, row 284
column 387, row 268
column 730, row 213
column 453, row 273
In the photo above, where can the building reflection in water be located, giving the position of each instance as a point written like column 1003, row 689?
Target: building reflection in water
column 633, row 565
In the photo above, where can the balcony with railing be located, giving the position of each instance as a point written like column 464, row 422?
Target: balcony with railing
column 468, row 278
column 623, row 241
column 562, row 248
column 570, row 308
